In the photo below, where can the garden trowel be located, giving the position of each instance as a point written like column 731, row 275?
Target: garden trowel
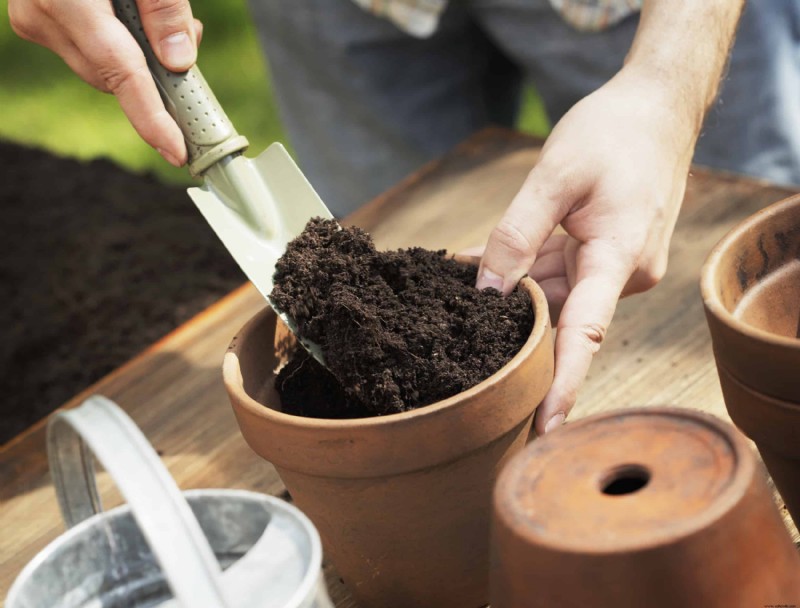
column 255, row 205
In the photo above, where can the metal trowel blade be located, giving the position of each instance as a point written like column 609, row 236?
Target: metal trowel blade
column 256, row 206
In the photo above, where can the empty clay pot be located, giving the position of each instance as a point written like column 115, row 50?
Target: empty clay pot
column 657, row 507
column 775, row 427
column 402, row 502
column 751, row 289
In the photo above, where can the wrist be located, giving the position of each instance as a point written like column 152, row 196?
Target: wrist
column 677, row 109
column 682, row 47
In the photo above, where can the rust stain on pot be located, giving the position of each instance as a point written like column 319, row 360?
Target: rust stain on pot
column 785, row 240
column 741, row 271
column 760, row 274
column 336, row 442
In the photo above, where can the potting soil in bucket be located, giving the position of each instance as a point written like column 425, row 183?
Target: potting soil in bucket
column 398, row 329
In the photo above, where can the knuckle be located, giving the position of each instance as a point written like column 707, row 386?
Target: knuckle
column 168, row 12
column 20, row 22
column 652, row 275
column 649, row 275
column 117, row 78
column 565, row 396
column 508, row 236
column 47, row 7
column 556, row 180
column 592, row 335
column 630, row 247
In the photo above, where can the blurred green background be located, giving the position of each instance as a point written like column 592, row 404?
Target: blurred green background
column 44, row 104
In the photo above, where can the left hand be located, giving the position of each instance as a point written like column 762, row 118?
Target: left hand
column 613, row 174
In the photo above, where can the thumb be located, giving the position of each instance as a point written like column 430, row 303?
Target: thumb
column 170, row 28
column 530, row 219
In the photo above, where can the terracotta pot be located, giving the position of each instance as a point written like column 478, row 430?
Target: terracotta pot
column 775, row 427
column 751, row 289
column 402, row 502
column 657, row 507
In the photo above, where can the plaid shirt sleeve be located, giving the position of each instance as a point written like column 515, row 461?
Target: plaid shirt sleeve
column 420, row 17
column 595, row 15
column 416, row 17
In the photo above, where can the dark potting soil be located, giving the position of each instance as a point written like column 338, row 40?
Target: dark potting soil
column 399, row 329
column 96, row 264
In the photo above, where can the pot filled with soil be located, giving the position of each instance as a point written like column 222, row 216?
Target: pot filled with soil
column 751, row 290
column 657, row 507
column 392, row 453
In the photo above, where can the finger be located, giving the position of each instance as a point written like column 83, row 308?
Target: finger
column 81, row 66
column 170, row 28
column 31, row 24
column 556, row 242
column 543, row 201
column 198, row 31
column 475, row 252
column 50, row 35
column 548, row 266
column 587, row 312
column 121, row 66
column 556, row 291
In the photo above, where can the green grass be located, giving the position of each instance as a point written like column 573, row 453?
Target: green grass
column 45, row 104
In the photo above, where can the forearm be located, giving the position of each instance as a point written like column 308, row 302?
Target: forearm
column 682, row 46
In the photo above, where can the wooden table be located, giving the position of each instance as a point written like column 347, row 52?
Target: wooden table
column 658, row 350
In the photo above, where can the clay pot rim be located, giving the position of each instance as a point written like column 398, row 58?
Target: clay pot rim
column 729, row 496
column 232, row 377
column 710, row 271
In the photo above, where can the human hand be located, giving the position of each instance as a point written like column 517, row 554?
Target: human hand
column 613, row 174
column 97, row 46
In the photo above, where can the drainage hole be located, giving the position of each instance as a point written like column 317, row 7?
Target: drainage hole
column 626, row 479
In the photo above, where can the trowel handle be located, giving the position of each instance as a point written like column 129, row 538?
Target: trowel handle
column 164, row 517
column 209, row 134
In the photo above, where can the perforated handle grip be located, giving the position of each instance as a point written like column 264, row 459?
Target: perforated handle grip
column 209, row 134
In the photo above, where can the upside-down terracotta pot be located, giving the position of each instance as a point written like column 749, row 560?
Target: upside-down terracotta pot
column 402, row 502
column 656, row 507
column 751, row 290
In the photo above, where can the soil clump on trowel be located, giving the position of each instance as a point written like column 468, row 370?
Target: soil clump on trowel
column 398, row 329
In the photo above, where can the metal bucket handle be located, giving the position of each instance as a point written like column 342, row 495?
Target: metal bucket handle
column 165, row 519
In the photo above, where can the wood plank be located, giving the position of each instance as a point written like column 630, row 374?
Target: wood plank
column 657, row 351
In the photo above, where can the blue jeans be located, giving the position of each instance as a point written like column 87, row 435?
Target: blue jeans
column 365, row 104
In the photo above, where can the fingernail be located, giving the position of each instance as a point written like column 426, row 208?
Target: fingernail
column 487, row 278
column 554, row 422
column 178, row 51
column 170, row 158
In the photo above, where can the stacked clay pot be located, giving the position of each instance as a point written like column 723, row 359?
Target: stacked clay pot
column 751, row 290
column 402, row 502
column 657, row 507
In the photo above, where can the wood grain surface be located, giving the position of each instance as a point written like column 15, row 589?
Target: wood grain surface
column 658, row 350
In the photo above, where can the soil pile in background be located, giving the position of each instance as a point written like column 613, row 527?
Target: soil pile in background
column 399, row 329
column 96, row 263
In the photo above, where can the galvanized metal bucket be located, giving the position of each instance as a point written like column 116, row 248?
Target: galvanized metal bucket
column 197, row 549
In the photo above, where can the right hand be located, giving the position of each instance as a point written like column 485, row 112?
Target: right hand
column 98, row 47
